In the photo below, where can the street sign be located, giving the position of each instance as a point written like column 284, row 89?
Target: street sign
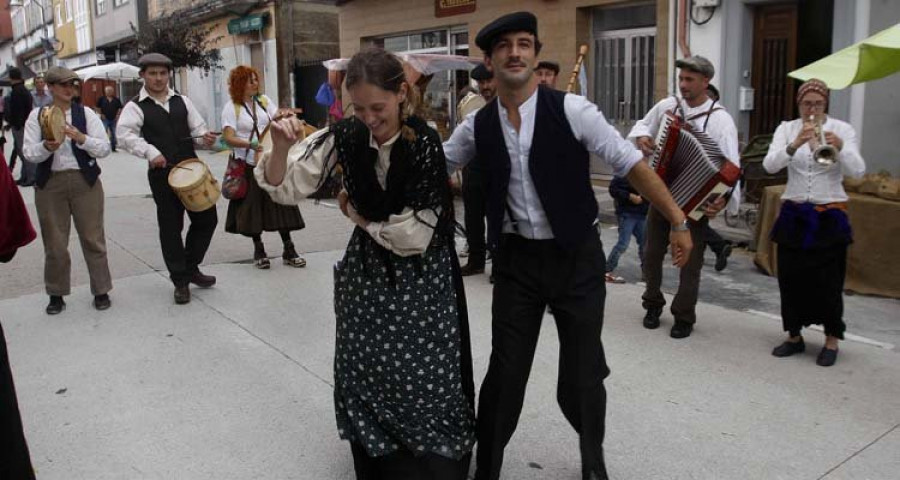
column 248, row 23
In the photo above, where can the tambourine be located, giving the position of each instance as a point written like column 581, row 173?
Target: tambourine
column 53, row 123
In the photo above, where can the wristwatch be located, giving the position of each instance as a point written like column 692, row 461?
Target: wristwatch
column 681, row 227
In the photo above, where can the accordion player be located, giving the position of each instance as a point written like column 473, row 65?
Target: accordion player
column 692, row 165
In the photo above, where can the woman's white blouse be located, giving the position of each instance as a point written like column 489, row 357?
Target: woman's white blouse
column 407, row 233
column 242, row 124
column 809, row 181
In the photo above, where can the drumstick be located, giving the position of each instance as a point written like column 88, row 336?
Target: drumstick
column 200, row 136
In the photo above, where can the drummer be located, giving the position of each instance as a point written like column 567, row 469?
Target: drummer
column 162, row 127
column 68, row 188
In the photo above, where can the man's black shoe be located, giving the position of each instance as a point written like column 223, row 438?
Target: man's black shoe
column 56, row 305
column 826, row 357
column 787, row 349
column 102, row 302
column 681, row 330
column 182, row 294
column 203, row 281
column 471, row 269
column 722, row 258
column 651, row 319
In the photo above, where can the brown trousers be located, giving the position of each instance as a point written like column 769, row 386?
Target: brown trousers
column 66, row 197
column 685, row 302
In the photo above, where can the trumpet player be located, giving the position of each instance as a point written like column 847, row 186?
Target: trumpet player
column 812, row 230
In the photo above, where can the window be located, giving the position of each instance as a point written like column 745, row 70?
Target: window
column 101, row 7
column 19, row 25
column 68, row 10
column 59, row 17
column 119, row 3
column 440, row 97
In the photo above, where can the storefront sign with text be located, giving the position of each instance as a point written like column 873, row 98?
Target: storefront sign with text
column 446, row 8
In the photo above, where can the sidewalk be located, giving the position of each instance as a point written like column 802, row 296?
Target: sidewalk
column 237, row 385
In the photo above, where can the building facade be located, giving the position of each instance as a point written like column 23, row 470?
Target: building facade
column 246, row 33
column 34, row 42
column 72, row 20
column 755, row 43
column 626, row 64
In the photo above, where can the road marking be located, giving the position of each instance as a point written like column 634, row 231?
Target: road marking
column 818, row 328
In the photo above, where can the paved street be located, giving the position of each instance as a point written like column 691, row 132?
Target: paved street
column 238, row 384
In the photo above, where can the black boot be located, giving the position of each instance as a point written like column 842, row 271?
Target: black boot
column 56, row 305
column 651, row 319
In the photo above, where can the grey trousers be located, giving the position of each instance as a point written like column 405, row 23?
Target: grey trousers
column 685, row 302
column 66, row 197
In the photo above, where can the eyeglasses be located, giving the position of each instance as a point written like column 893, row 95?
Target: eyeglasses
column 811, row 105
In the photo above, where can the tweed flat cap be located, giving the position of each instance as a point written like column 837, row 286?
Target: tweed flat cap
column 697, row 64
column 481, row 73
column 513, row 22
column 60, row 75
column 154, row 59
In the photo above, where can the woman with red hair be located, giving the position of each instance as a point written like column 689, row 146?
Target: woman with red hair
column 243, row 120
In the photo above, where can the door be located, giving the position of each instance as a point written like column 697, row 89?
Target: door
column 774, row 55
column 623, row 70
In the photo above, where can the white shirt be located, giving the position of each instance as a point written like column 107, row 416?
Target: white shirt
column 96, row 144
column 404, row 234
column 243, row 123
column 720, row 128
column 588, row 126
column 808, row 181
column 128, row 129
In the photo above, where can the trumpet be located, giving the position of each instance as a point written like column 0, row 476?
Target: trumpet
column 824, row 154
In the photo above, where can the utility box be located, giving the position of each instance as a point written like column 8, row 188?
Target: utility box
column 745, row 99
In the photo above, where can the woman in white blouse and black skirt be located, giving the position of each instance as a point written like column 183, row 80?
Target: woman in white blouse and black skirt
column 243, row 120
column 403, row 387
column 812, row 230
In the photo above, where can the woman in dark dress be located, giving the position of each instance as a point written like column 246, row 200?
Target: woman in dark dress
column 244, row 119
column 403, row 375
column 15, row 232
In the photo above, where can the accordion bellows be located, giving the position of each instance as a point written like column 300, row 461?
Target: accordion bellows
column 692, row 165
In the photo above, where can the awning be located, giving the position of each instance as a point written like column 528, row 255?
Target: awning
column 111, row 71
column 875, row 57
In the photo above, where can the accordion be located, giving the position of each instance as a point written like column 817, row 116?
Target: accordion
column 692, row 165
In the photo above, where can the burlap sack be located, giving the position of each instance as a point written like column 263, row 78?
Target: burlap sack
column 890, row 189
column 852, row 184
column 871, row 183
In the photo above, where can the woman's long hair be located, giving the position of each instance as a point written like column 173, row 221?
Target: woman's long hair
column 237, row 82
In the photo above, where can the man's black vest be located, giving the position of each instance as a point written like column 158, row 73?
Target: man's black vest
column 558, row 163
column 86, row 162
column 168, row 131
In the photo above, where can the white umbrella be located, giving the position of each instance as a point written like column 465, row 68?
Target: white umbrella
column 111, row 71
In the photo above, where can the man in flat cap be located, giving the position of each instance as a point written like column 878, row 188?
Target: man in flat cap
column 69, row 188
column 161, row 126
column 703, row 114
column 547, row 72
column 474, row 186
column 534, row 144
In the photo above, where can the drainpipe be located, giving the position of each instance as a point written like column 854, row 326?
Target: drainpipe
column 682, row 27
